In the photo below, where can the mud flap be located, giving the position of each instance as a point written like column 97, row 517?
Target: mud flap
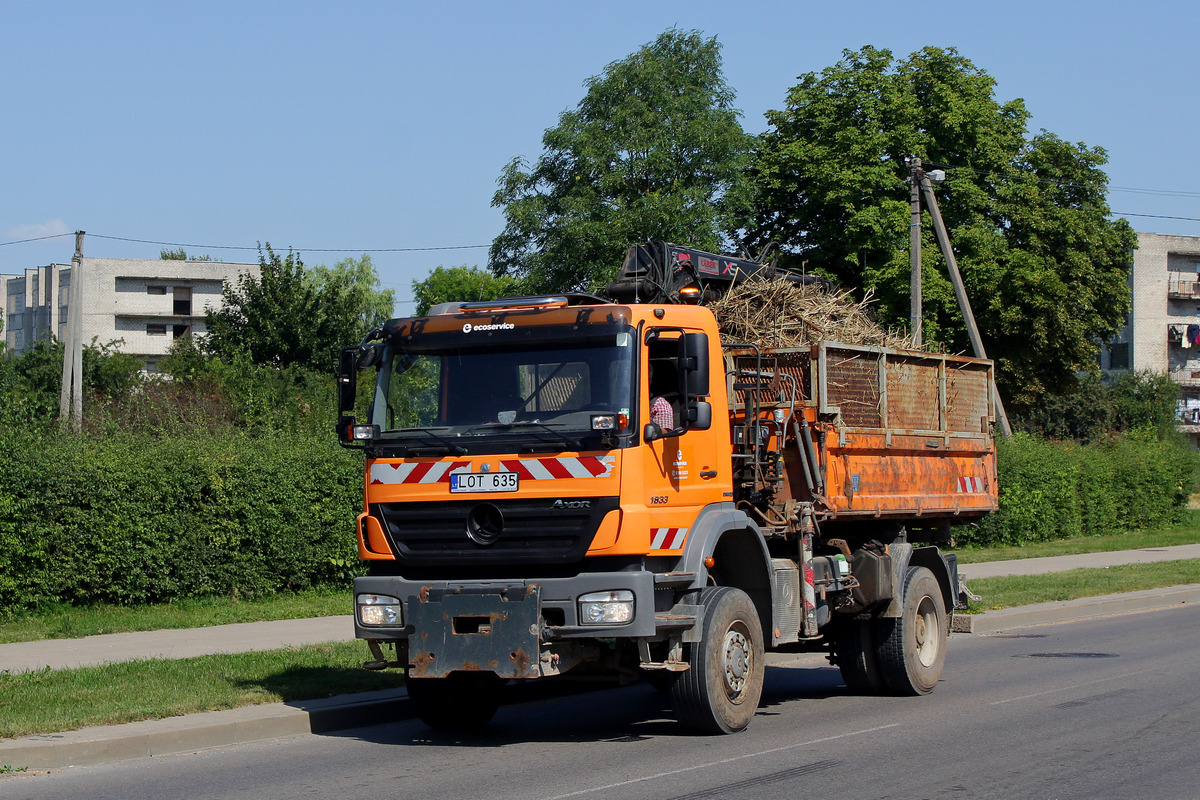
column 475, row 631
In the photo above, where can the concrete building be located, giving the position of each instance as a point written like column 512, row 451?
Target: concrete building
column 1162, row 331
column 144, row 303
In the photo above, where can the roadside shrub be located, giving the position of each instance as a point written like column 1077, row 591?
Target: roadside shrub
column 130, row 518
column 1057, row 490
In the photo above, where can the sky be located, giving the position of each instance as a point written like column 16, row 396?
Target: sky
column 343, row 128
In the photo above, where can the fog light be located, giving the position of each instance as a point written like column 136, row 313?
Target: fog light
column 379, row 609
column 604, row 422
column 606, row 608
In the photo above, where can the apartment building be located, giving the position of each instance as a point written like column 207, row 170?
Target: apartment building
column 146, row 304
column 1162, row 331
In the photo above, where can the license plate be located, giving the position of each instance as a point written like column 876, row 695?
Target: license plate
column 484, row 481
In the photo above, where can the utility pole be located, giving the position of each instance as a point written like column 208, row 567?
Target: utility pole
column 960, row 292
column 914, row 251
column 70, row 398
column 922, row 185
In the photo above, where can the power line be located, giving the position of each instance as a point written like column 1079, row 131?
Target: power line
column 1154, row 216
column 1156, row 192
column 38, row 239
column 297, row 249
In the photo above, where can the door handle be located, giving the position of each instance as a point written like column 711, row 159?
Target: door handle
column 708, row 473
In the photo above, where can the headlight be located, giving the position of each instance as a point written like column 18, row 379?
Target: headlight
column 606, row 608
column 379, row 609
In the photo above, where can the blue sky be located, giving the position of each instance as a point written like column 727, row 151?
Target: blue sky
column 373, row 125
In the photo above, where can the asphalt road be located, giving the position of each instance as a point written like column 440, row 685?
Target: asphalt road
column 1106, row 708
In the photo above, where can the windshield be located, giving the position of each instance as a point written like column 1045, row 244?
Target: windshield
column 454, row 392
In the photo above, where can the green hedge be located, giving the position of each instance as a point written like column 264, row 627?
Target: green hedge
column 136, row 519
column 124, row 518
column 1056, row 490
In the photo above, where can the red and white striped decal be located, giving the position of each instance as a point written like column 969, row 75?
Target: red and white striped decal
column 544, row 469
column 667, row 538
column 416, row 471
column 970, row 484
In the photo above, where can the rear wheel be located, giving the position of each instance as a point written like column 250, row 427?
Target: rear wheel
column 912, row 647
column 720, row 691
column 460, row 701
column 854, row 650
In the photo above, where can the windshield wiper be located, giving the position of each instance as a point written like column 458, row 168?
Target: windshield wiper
column 574, row 444
column 452, row 449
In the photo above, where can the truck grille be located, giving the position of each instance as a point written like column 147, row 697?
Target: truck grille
column 542, row 531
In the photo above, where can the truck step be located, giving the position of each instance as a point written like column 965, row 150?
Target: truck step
column 674, row 578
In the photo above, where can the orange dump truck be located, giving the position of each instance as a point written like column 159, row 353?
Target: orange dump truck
column 525, row 518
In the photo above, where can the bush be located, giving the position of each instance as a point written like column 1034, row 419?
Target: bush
column 130, row 518
column 1057, row 490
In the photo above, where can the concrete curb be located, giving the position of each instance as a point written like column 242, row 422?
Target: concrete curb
column 1075, row 610
column 103, row 745
column 156, row 737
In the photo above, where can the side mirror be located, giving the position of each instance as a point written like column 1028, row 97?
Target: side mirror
column 347, row 379
column 693, row 359
column 699, row 415
column 369, row 355
column 652, row 433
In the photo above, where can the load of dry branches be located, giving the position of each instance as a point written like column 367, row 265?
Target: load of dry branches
column 779, row 313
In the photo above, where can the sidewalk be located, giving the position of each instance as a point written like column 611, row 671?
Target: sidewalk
column 1040, row 566
column 222, row 728
column 245, row 637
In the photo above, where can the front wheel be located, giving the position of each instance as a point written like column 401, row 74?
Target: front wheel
column 460, row 701
column 912, row 647
column 720, row 691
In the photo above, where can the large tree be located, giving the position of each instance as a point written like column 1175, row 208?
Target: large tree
column 465, row 283
column 1044, row 265
column 289, row 315
column 653, row 151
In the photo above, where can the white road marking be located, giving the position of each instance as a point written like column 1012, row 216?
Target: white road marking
column 1063, row 688
column 681, row 770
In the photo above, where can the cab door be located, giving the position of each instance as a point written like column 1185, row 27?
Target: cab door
column 682, row 473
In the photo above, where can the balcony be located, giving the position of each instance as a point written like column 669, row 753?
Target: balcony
column 1183, row 285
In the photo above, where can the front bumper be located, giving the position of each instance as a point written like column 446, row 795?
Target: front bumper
column 501, row 626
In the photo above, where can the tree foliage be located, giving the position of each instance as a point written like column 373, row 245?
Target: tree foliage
column 351, row 285
column 653, row 151
column 30, row 380
column 287, row 315
column 1044, row 266
column 447, row 284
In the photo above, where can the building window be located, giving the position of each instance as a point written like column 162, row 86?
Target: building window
column 183, row 301
column 180, row 331
column 154, row 329
column 16, row 303
column 1118, row 355
column 156, row 290
column 18, row 340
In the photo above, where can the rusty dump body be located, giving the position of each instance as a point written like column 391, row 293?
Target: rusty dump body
column 896, row 435
column 525, row 517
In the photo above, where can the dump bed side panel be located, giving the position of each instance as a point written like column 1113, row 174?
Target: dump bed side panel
column 907, row 434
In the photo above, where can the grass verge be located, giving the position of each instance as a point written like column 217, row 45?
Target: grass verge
column 49, row 701
column 1021, row 590
column 1186, row 532
column 66, row 622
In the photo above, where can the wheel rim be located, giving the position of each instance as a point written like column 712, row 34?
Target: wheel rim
column 927, row 632
column 737, row 660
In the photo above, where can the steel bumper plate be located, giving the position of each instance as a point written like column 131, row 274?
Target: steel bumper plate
column 482, row 630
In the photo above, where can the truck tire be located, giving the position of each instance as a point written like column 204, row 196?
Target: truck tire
column 912, row 647
column 720, row 691
column 461, row 701
column 855, row 652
